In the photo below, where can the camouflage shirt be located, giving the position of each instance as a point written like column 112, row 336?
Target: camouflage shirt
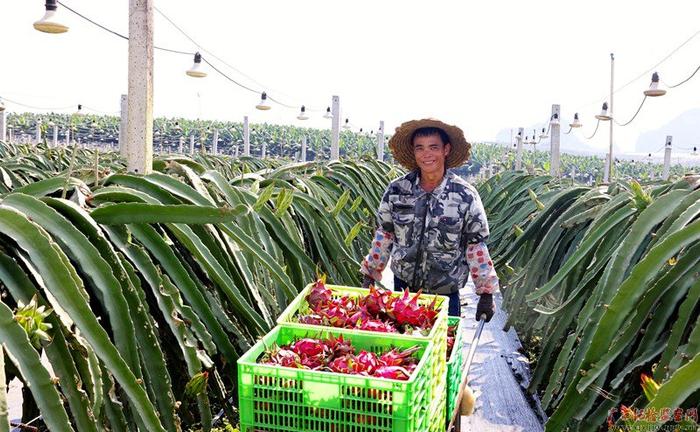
column 434, row 238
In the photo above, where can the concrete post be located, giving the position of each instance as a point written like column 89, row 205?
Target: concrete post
column 181, row 144
column 3, row 125
column 519, row 149
column 554, row 140
column 215, row 142
column 667, row 158
column 37, row 134
column 609, row 165
column 303, row 148
column 192, row 144
column 335, row 129
column 10, row 135
column 139, row 128
column 246, row 137
column 122, row 125
column 264, row 149
column 54, row 142
column 68, row 136
column 380, row 141
column 606, row 173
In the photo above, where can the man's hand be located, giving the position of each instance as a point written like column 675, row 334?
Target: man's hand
column 367, row 281
column 485, row 306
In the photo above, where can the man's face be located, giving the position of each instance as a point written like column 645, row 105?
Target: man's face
column 430, row 154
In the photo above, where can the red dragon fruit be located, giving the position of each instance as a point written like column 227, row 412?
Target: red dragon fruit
column 338, row 355
column 376, row 301
column 345, row 364
column 392, row 372
column 377, row 326
column 319, row 294
column 309, row 347
column 405, row 310
column 367, row 362
column 378, row 311
column 399, row 358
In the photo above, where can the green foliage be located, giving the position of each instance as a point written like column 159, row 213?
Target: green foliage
column 606, row 279
column 148, row 285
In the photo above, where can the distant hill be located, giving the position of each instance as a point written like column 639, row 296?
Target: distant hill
column 685, row 130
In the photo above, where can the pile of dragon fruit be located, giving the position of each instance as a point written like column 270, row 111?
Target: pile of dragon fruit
column 338, row 355
column 377, row 311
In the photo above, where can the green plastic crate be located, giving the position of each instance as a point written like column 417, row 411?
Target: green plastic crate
column 438, row 335
column 454, row 364
column 274, row 398
column 438, row 409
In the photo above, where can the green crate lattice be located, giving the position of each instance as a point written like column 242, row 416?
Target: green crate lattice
column 438, row 334
column 275, row 399
column 454, row 364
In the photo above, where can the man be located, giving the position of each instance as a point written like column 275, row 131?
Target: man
column 432, row 222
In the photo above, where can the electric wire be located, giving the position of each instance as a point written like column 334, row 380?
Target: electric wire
column 117, row 33
column 36, row 107
column 685, row 80
column 635, row 114
column 646, row 72
column 595, row 131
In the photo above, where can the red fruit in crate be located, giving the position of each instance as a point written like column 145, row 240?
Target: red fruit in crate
column 313, row 319
column 392, row 372
column 339, row 346
column 377, row 326
column 399, row 358
column 345, row 364
column 286, row 358
column 309, row 347
column 367, row 361
column 318, row 295
column 376, row 301
column 406, row 311
column 359, row 316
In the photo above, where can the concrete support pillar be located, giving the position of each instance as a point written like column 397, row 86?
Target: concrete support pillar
column 607, row 170
column 122, row 125
column 380, row 141
column 37, row 133
column 215, row 142
column 139, row 128
column 335, row 129
column 667, row 158
column 555, row 137
column 246, row 137
column 3, row 123
column 519, row 149
column 303, row 148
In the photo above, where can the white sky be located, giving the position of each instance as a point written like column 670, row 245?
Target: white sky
column 483, row 65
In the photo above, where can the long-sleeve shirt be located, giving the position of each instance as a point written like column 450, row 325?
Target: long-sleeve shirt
column 435, row 239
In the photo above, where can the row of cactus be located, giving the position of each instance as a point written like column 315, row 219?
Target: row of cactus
column 604, row 282
column 143, row 291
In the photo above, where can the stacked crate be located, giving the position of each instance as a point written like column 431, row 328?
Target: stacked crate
column 274, row 398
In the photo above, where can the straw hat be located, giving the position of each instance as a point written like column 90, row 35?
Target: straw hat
column 401, row 143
